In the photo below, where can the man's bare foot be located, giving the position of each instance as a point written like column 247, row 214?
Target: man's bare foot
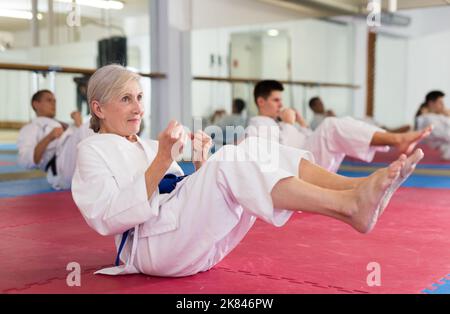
column 371, row 196
column 408, row 141
column 407, row 170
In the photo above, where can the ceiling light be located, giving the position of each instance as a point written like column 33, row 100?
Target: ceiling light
column 19, row 14
column 273, row 32
column 100, row 4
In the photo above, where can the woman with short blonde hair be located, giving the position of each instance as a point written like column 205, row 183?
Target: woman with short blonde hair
column 106, row 83
column 188, row 226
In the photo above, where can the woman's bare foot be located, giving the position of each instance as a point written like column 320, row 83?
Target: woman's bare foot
column 371, row 196
column 408, row 141
column 407, row 170
column 411, row 164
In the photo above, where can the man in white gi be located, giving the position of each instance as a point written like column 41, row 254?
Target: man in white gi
column 332, row 140
column 193, row 226
column 49, row 144
column 433, row 111
column 318, row 108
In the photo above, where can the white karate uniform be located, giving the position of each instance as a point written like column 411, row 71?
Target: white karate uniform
column 235, row 123
column 440, row 136
column 63, row 147
column 317, row 120
column 195, row 226
column 329, row 143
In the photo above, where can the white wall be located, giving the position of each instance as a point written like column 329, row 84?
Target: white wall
column 15, row 88
column 411, row 65
column 428, row 69
column 322, row 52
column 391, row 81
column 209, row 96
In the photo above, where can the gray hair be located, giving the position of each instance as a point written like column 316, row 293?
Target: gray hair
column 106, row 83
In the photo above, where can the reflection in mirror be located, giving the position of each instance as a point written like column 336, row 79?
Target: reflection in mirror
column 85, row 35
column 259, row 54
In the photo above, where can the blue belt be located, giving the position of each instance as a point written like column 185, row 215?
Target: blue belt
column 52, row 165
column 165, row 186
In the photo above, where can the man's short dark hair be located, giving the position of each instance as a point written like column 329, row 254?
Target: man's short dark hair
column 265, row 88
column 312, row 102
column 433, row 96
column 239, row 105
column 38, row 96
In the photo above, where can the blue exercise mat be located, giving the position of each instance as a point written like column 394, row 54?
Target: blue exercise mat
column 415, row 181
